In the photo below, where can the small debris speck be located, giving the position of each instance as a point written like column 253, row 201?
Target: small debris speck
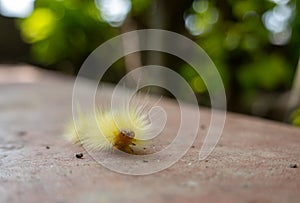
column 193, row 146
column 79, row 155
column 145, row 161
column 47, row 147
column 293, row 165
column 245, row 186
column 202, row 127
column 21, row 133
column 190, row 163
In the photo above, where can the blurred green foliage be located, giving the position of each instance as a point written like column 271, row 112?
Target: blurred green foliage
column 64, row 31
column 295, row 117
column 241, row 46
column 234, row 33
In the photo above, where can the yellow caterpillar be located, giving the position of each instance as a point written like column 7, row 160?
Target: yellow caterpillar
column 114, row 129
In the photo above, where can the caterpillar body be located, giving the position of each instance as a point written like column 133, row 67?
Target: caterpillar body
column 122, row 129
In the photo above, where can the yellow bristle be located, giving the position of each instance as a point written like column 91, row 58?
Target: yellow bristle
column 106, row 133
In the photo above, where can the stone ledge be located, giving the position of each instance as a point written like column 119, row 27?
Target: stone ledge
column 252, row 162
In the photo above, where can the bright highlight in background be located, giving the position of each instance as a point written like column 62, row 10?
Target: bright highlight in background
column 114, row 11
column 202, row 19
column 16, row 8
column 277, row 21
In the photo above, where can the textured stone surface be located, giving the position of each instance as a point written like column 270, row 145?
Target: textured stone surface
column 250, row 164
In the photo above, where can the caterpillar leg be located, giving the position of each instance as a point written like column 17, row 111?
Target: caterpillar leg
column 125, row 148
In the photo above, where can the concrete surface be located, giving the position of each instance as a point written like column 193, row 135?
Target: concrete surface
column 255, row 161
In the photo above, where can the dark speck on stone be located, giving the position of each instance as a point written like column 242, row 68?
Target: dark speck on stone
column 47, row 147
column 21, row 133
column 292, row 165
column 79, row 155
column 245, row 186
column 145, row 161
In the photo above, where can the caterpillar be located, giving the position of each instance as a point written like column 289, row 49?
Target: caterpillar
column 121, row 128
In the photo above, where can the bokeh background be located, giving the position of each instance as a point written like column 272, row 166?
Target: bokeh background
column 254, row 43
